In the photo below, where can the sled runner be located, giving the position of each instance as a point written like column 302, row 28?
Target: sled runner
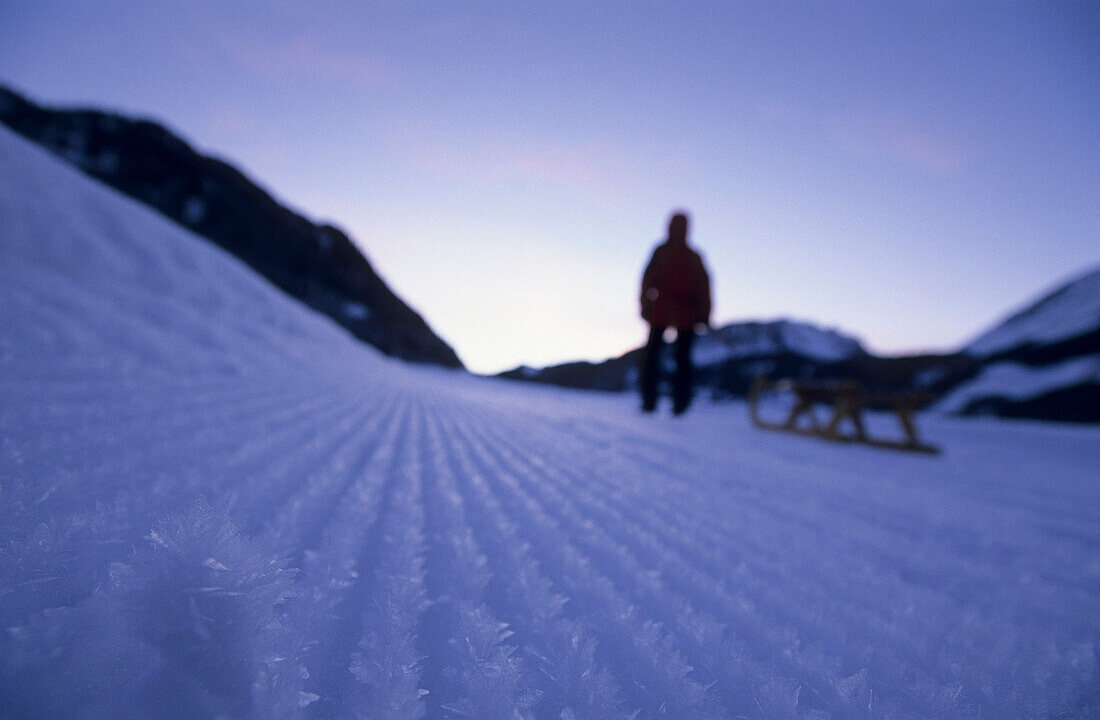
column 845, row 401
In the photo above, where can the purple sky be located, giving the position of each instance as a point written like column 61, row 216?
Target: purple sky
column 907, row 172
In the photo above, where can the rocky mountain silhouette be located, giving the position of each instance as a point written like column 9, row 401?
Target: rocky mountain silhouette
column 316, row 264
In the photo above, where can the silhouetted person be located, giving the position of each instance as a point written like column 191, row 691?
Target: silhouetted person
column 675, row 294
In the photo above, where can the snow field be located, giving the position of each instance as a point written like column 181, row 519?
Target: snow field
column 560, row 649
column 479, row 664
column 213, row 504
column 639, row 562
column 561, row 529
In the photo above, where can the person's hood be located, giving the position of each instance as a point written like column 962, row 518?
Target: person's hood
column 677, row 231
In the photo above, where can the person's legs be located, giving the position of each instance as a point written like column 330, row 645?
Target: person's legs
column 685, row 373
column 651, row 368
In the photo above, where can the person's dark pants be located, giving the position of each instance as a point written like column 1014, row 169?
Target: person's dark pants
column 682, row 381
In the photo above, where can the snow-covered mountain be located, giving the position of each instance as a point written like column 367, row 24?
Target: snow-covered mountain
column 1069, row 314
column 215, row 503
column 779, row 337
column 317, row 264
column 729, row 357
column 1042, row 362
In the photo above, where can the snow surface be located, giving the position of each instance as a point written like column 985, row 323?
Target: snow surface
column 1020, row 382
column 215, row 504
column 1072, row 310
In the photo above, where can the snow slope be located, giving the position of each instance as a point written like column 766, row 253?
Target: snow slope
column 1045, row 358
column 1071, row 310
column 1020, row 382
column 214, row 503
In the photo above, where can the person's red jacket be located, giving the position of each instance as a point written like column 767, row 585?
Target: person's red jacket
column 675, row 286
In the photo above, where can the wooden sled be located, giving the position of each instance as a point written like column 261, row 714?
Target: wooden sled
column 846, row 401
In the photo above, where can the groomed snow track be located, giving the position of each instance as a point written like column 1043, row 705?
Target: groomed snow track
column 214, row 504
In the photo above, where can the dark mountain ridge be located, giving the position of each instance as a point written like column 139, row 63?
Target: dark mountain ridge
column 316, row 264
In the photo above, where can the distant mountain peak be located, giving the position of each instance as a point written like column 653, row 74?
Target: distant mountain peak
column 753, row 338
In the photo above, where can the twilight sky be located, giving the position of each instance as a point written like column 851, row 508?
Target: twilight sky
column 906, row 172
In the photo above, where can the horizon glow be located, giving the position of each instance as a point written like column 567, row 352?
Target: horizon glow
column 909, row 174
